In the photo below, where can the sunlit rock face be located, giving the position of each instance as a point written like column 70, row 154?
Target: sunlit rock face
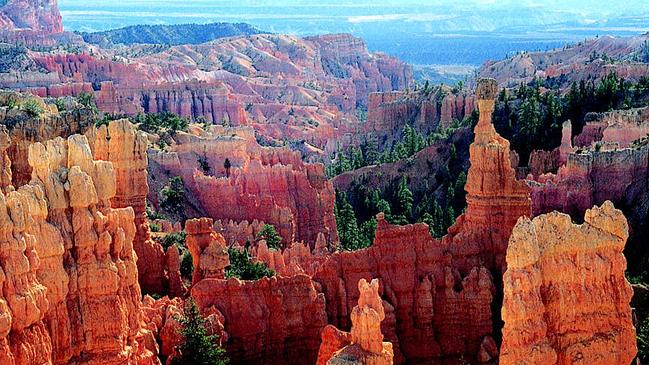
column 566, row 297
column 364, row 344
column 70, row 290
column 34, row 15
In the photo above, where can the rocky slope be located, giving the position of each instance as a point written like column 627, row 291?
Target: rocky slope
column 289, row 88
column 553, row 263
column 592, row 58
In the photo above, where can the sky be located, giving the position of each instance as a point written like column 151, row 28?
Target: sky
column 405, row 28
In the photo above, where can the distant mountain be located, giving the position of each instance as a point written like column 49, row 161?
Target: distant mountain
column 170, row 34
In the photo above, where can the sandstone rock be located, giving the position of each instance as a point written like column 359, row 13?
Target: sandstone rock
column 208, row 249
column 365, row 342
column 74, row 263
column 126, row 148
column 270, row 185
column 269, row 321
column 566, row 297
column 495, row 199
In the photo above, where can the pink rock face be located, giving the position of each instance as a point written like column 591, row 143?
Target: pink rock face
column 34, row 15
column 552, row 262
column 590, row 178
column 269, row 321
column 197, row 82
column 390, row 111
column 621, row 127
column 270, row 185
column 70, row 267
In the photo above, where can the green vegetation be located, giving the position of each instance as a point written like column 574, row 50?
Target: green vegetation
column 170, row 34
column 174, row 239
column 32, row 107
column 197, row 347
column 351, row 236
column 242, row 266
column 270, row 235
column 161, row 123
column 173, row 196
column 186, row 265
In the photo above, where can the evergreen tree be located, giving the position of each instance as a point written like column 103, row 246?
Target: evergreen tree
column 404, row 203
column 197, row 347
column 348, row 231
column 270, row 235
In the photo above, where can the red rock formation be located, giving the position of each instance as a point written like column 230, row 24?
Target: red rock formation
column 69, row 266
column 495, row 199
column 269, row 321
column 441, row 291
column 441, row 313
column 621, row 127
column 365, row 341
column 566, row 296
column 295, row 259
column 41, row 16
column 208, row 250
column 389, row 112
column 272, row 185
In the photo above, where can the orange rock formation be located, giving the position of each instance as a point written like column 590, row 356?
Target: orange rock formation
column 365, row 342
column 566, row 297
column 208, row 250
column 70, row 290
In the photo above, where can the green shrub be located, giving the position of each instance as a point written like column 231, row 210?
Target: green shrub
column 174, row 239
column 32, row 108
column 242, row 267
column 186, row 266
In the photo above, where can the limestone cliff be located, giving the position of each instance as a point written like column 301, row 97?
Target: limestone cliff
column 566, row 297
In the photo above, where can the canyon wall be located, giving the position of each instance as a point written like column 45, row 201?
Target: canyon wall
column 269, row 321
column 272, row 185
column 389, row 112
column 566, row 297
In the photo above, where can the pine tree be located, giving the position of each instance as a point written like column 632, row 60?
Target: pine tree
column 270, row 235
column 348, row 231
column 197, row 347
column 404, row 202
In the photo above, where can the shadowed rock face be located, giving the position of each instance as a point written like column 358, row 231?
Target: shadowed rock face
column 566, row 297
column 34, row 15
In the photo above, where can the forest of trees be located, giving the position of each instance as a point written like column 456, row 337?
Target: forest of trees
column 529, row 116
